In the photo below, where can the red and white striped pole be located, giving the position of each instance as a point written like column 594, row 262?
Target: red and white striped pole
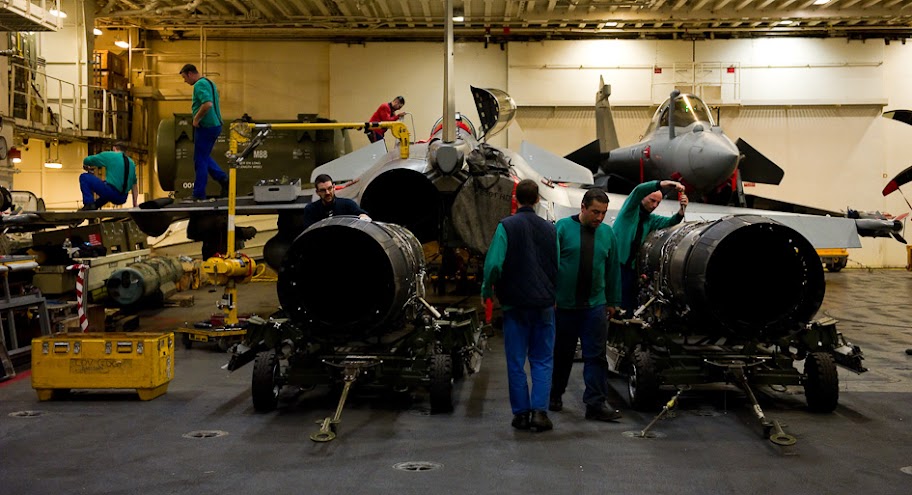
column 80, row 295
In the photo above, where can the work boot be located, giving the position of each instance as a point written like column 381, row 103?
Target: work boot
column 540, row 421
column 521, row 421
column 89, row 207
column 602, row 412
column 556, row 405
column 224, row 192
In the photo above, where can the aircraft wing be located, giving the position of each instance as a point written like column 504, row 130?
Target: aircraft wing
column 554, row 167
column 821, row 231
column 149, row 215
column 352, row 165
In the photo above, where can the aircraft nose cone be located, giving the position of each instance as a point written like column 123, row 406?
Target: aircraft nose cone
column 713, row 160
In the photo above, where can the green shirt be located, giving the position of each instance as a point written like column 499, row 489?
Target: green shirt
column 494, row 259
column 203, row 91
column 605, row 283
column 113, row 163
column 625, row 225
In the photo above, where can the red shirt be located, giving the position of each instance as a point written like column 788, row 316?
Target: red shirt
column 383, row 114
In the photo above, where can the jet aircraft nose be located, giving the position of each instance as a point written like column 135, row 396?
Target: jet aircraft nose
column 713, row 159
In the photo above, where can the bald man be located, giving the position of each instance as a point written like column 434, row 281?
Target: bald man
column 634, row 222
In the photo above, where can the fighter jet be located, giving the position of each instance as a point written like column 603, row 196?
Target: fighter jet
column 454, row 190
column 683, row 142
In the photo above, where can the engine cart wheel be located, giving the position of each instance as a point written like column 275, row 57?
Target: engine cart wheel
column 834, row 267
column 643, row 381
column 459, row 366
column 266, row 387
column 821, row 383
column 441, row 386
column 185, row 339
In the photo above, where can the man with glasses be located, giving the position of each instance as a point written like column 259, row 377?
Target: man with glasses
column 329, row 205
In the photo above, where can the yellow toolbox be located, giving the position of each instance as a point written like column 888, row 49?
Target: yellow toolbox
column 140, row 360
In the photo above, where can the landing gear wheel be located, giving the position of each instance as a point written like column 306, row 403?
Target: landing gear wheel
column 185, row 339
column 223, row 344
column 821, row 382
column 643, row 381
column 441, row 386
column 265, row 381
column 458, row 365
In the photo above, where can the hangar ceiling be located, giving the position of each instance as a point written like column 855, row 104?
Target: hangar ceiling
column 506, row 20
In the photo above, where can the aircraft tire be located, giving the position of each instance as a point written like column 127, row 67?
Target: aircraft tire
column 643, row 381
column 821, row 384
column 265, row 387
column 441, row 386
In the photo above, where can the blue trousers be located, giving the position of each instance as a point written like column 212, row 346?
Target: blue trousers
column 529, row 333
column 590, row 326
column 91, row 184
column 203, row 140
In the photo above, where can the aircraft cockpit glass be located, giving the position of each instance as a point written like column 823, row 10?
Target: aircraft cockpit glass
column 687, row 109
column 462, row 122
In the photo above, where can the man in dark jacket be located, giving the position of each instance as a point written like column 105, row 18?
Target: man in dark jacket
column 634, row 222
column 588, row 286
column 521, row 267
column 329, row 205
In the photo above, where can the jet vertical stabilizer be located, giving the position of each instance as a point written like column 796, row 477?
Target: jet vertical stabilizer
column 604, row 119
column 591, row 155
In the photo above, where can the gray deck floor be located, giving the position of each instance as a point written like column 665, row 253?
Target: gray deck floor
column 113, row 443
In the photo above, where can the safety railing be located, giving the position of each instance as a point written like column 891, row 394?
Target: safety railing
column 46, row 103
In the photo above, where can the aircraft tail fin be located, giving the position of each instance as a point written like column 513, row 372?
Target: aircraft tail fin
column 590, row 156
column 604, row 120
column 754, row 167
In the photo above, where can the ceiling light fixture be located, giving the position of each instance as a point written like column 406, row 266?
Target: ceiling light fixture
column 458, row 16
column 785, row 22
column 821, row 2
column 611, row 24
column 97, row 32
column 122, row 44
column 58, row 13
column 55, row 163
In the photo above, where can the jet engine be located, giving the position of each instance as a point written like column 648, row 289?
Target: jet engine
column 745, row 276
column 348, row 279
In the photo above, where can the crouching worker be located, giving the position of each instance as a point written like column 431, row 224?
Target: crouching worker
column 119, row 179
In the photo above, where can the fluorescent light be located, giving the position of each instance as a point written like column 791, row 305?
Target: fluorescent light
column 97, row 32
column 57, row 13
column 611, row 24
column 53, row 165
column 821, row 2
column 458, row 18
column 785, row 22
column 122, row 44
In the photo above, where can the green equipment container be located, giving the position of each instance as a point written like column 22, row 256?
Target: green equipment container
column 285, row 153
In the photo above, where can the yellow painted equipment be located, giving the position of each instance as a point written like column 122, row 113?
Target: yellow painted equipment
column 834, row 259
column 140, row 360
column 220, row 270
column 223, row 337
